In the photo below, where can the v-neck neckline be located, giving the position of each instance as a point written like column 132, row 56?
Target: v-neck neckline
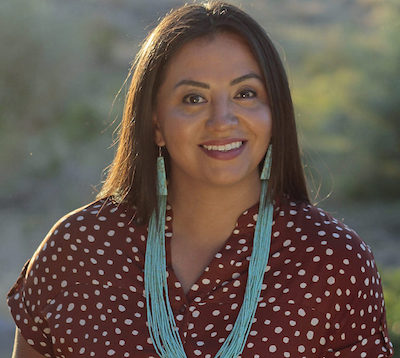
column 243, row 231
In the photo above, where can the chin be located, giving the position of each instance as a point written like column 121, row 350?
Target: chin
column 228, row 180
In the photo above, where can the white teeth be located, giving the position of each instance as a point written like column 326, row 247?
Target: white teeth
column 224, row 148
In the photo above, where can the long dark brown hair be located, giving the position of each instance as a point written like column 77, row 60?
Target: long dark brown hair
column 132, row 175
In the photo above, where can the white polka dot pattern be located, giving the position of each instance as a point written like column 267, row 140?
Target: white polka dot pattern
column 82, row 293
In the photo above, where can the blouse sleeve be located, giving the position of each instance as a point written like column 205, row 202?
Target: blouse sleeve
column 33, row 299
column 25, row 302
column 39, row 284
column 358, row 319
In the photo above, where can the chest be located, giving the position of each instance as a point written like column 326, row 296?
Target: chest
column 83, row 322
column 189, row 261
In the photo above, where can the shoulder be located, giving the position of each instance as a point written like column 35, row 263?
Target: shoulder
column 94, row 218
column 313, row 225
column 89, row 239
column 89, row 252
column 337, row 276
column 332, row 268
column 329, row 251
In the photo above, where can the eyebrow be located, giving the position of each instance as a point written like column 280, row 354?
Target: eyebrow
column 207, row 86
column 192, row 83
column 246, row 77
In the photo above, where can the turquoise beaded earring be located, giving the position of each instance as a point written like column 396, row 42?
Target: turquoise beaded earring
column 266, row 170
column 161, row 175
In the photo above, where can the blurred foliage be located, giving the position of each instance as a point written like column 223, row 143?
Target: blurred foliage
column 62, row 63
column 347, row 94
column 58, row 74
column 391, row 290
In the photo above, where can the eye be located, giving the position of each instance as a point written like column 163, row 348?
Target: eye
column 193, row 99
column 246, row 93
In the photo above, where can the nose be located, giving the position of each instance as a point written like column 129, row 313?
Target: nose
column 222, row 116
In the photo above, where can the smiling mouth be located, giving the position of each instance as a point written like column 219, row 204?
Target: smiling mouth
column 223, row 148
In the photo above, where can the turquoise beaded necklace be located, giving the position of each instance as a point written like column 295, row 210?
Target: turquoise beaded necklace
column 162, row 327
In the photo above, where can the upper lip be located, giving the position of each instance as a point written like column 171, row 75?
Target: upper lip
column 223, row 141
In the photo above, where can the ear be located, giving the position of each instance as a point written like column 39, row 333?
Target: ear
column 158, row 136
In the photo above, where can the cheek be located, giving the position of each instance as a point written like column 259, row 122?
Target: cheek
column 178, row 134
column 262, row 123
column 268, row 120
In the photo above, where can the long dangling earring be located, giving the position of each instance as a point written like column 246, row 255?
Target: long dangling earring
column 266, row 170
column 161, row 175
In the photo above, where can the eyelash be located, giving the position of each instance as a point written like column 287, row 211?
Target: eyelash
column 186, row 99
column 243, row 94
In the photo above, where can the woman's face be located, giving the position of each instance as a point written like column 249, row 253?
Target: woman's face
column 212, row 112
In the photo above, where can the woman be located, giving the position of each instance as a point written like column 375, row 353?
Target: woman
column 239, row 262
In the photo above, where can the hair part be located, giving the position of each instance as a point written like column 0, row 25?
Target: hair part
column 132, row 175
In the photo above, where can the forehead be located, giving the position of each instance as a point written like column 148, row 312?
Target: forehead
column 222, row 53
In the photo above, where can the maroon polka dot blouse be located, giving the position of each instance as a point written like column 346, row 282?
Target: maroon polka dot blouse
column 82, row 293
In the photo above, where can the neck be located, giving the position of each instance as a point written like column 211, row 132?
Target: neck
column 216, row 209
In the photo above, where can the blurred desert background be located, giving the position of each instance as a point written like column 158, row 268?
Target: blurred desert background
column 63, row 62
